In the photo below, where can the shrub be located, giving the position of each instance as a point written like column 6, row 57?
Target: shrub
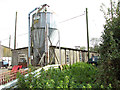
column 109, row 71
column 75, row 76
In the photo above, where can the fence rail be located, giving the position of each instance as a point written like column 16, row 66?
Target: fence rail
column 13, row 83
column 9, row 76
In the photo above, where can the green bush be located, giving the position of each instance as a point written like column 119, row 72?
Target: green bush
column 109, row 71
column 78, row 75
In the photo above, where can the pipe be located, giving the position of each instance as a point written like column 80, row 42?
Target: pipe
column 29, row 35
column 46, row 39
column 59, row 47
column 42, row 7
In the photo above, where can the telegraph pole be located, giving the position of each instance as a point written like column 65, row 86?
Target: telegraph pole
column 15, row 31
column 9, row 43
column 111, row 9
column 87, row 31
column 119, row 5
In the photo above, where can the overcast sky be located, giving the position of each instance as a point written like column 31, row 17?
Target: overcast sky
column 72, row 32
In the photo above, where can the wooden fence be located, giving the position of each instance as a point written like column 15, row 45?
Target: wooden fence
column 13, row 83
column 9, row 76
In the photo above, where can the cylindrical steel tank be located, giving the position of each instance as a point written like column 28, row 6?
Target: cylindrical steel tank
column 38, row 33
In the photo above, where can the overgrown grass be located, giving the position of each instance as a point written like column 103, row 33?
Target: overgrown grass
column 79, row 75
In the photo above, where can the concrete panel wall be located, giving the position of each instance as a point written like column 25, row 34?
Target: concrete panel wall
column 14, row 58
column 78, row 56
column 57, row 55
column 68, row 56
column 75, row 58
column 62, row 56
column 81, row 56
column 72, row 56
column 15, row 55
column 86, row 56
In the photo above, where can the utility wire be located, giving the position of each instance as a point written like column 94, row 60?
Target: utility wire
column 22, row 34
column 12, row 37
column 59, row 22
column 73, row 18
column 4, row 39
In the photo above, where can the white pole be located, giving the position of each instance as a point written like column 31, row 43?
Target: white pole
column 46, row 40
column 48, row 43
column 29, row 37
column 59, row 46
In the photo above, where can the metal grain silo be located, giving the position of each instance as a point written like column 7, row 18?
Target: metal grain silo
column 40, row 22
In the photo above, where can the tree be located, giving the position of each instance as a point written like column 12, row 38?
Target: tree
column 82, row 48
column 94, row 41
column 110, row 48
column 95, row 44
